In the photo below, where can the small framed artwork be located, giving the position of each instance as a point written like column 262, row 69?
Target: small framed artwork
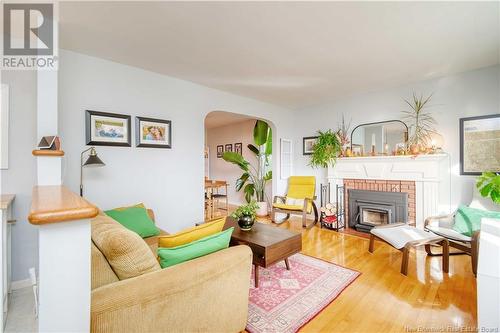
column 107, row 129
column 153, row 133
column 357, row 150
column 220, row 151
column 308, row 144
column 238, row 148
column 479, row 144
column 228, row 147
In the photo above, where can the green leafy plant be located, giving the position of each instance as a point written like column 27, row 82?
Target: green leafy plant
column 488, row 185
column 326, row 149
column 249, row 209
column 419, row 120
column 254, row 178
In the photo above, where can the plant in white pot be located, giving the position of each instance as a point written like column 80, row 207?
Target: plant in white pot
column 254, row 178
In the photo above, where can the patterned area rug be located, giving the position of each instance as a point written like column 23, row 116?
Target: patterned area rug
column 286, row 300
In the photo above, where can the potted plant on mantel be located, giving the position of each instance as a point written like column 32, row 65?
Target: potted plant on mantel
column 254, row 178
column 245, row 215
column 326, row 150
column 420, row 124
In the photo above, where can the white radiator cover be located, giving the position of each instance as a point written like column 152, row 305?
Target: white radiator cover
column 431, row 174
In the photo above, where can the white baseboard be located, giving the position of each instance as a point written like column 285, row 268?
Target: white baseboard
column 20, row 284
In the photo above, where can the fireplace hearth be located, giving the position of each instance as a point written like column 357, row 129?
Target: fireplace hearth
column 368, row 209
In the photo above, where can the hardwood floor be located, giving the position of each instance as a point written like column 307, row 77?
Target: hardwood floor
column 383, row 300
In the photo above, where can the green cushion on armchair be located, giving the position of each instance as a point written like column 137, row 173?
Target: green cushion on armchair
column 468, row 220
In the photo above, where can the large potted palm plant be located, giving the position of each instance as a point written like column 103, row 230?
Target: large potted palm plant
column 255, row 177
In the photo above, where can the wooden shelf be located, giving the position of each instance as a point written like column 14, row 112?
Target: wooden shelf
column 48, row 152
column 52, row 204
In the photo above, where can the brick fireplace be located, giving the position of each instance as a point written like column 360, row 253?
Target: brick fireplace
column 401, row 186
column 426, row 179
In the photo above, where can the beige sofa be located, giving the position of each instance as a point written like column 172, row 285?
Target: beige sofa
column 207, row 294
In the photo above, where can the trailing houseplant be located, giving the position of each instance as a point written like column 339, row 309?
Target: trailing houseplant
column 326, row 149
column 254, row 178
column 246, row 215
column 488, row 185
column 420, row 123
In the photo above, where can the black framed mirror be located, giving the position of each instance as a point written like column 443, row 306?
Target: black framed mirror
column 379, row 138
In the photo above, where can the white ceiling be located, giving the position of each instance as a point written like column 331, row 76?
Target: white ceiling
column 288, row 53
column 222, row 118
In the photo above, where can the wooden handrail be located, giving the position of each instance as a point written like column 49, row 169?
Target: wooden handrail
column 52, row 204
column 47, row 152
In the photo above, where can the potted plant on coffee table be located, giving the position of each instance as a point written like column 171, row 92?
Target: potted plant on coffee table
column 255, row 177
column 245, row 215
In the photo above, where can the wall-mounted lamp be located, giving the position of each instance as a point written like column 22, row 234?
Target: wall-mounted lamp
column 92, row 161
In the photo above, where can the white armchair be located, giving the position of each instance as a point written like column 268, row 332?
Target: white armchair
column 443, row 226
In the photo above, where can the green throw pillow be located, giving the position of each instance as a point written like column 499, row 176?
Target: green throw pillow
column 135, row 219
column 468, row 220
column 201, row 247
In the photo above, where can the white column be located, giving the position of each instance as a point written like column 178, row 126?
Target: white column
column 64, row 277
column 64, row 247
column 49, row 168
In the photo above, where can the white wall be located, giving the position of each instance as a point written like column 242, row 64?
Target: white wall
column 462, row 95
column 222, row 170
column 21, row 175
column 169, row 181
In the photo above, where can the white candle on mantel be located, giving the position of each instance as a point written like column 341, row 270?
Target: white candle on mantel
column 373, row 139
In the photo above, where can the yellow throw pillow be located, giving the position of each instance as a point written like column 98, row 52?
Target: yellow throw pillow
column 192, row 234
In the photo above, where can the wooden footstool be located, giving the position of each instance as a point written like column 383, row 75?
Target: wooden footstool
column 403, row 237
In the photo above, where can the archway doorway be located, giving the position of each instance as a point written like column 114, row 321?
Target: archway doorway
column 231, row 132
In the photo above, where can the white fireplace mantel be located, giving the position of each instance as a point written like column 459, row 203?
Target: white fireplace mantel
column 431, row 174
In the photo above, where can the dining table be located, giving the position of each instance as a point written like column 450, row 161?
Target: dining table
column 210, row 187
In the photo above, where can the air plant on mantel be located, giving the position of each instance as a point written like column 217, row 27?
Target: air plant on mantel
column 420, row 123
column 343, row 135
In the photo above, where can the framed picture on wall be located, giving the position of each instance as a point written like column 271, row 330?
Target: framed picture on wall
column 153, row 133
column 308, row 144
column 479, row 144
column 220, row 151
column 107, row 129
column 238, row 148
column 228, row 147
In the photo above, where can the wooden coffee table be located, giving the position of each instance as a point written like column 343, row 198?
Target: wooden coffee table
column 269, row 244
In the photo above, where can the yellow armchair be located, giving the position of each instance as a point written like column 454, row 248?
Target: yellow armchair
column 298, row 200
